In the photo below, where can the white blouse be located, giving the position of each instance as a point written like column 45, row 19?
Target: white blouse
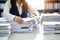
column 9, row 16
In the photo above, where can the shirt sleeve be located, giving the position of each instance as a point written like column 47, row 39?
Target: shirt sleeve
column 6, row 13
column 32, row 10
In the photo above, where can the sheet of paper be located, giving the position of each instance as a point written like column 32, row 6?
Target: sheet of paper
column 29, row 19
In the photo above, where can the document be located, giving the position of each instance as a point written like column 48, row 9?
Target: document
column 51, row 23
column 27, row 26
column 51, row 27
column 29, row 19
column 5, row 29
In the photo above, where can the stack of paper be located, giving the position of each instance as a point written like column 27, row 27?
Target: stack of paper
column 51, row 27
column 35, row 20
column 5, row 30
column 3, row 20
column 51, row 18
column 25, row 27
column 51, row 24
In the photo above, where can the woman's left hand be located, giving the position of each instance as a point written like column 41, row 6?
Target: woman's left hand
column 33, row 15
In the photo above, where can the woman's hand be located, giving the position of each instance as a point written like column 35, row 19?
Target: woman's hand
column 18, row 19
column 33, row 15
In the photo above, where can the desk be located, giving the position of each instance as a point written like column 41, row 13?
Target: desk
column 52, row 37
column 23, row 36
column 31, row 36
column 27, row 36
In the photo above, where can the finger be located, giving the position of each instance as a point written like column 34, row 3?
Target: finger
column 18, row 21
column 21, row 20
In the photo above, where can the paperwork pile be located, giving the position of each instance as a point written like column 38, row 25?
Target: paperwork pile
column 7, row 26
column 5, row 29
column 27, row 26
column 50, row 18
column 51, row 27
column 35, row 20
column 51, row 24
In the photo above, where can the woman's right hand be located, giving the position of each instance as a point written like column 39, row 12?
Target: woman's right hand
column 18, row 19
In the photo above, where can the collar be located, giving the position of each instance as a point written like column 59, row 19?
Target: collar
column 20, row 5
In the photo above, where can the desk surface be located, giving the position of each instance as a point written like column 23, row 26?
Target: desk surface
column 52, row 37
column 32, row 36
column 23, row 36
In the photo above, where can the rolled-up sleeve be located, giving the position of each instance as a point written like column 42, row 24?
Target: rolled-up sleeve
column 32, row 10
column 6, row 13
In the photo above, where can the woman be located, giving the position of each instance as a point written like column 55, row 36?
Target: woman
column 18, row 9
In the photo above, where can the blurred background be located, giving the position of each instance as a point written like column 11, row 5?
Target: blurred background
column 43, row 6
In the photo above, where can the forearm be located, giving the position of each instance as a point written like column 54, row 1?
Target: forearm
column 6, row 12
column 33, row 12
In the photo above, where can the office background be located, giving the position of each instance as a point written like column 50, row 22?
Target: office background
column 45, row 6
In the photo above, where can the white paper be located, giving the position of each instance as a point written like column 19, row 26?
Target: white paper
column 5, row 29
column 29, row 19
column 18, row 27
